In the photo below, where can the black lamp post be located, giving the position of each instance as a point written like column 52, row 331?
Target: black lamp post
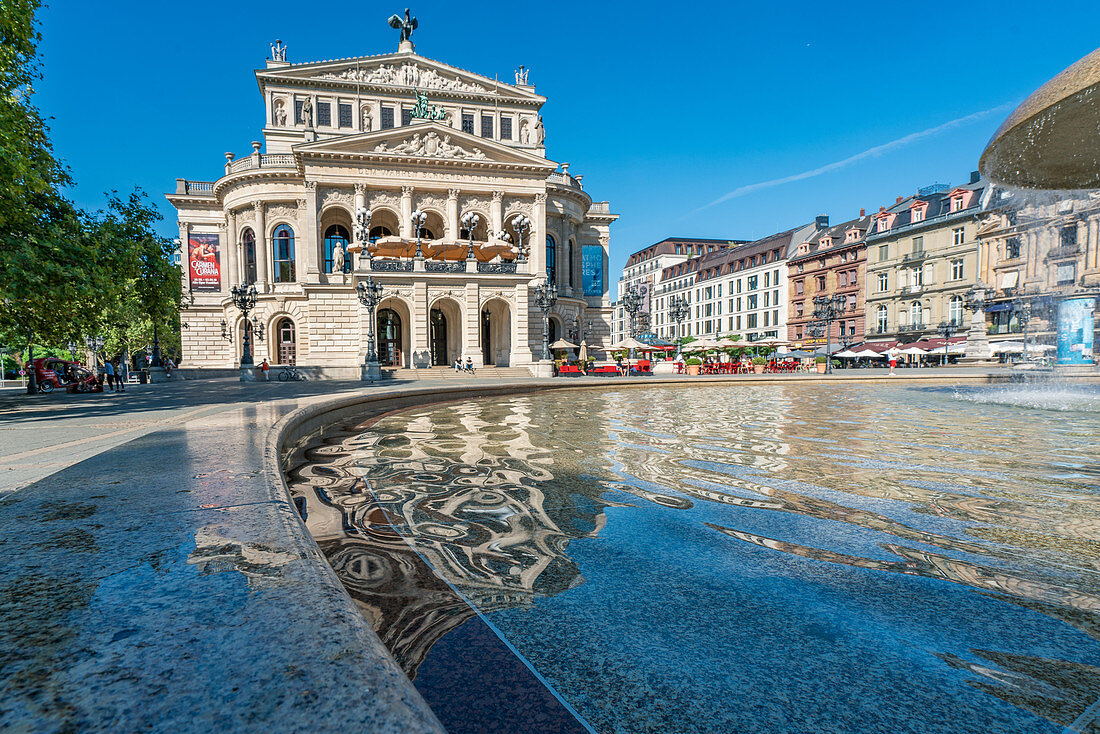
column 370, row 295
column 632, row 302
column 362, row 230
column 679, row 310
column 1022, row 307
column 947, row 328
column 827, row 309
column 521, row 224
column 546, row 294
column 244, row 298
column 469, row 221
column 156, row 348
column 418, row 218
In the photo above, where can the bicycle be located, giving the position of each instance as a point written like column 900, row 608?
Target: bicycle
column 290, row 372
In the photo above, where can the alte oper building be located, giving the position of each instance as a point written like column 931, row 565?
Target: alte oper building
column 389, row 137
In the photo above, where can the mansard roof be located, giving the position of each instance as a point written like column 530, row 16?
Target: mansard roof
column 402, row 72
column 939, row 204
column 425, row 142
column 667, row 246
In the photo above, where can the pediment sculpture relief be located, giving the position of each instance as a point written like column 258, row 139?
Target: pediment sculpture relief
column 430, row 146
column 408, row 75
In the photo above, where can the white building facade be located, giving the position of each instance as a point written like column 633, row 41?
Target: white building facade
column 391, row 135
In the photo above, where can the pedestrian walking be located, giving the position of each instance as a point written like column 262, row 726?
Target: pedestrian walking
column 109, row 371
column 892, row 354
column 119, row 381
column 265, row 368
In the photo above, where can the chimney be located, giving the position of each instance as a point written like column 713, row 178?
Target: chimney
column 899, row 200
column 822, row 221
column 975, row 177
column 862, row 212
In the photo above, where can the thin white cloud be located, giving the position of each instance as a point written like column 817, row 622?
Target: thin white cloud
column 869, row 153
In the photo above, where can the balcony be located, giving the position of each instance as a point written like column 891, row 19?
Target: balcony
column 499, row 268
column 432, row 266
column 912, row 257
column 564, row 179
column 200, row 188
column 269, row 160
column 1066, row 252
column 909, row 328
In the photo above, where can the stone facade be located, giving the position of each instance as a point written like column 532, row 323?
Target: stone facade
column 833, row 261
column 922, row 258
column 392, row 134
column 1034, row 250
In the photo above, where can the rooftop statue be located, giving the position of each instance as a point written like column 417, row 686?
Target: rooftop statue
column 407, row 26
column 278, row 51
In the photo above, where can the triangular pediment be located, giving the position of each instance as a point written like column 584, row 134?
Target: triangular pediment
column 428, row 141
column 405, row 71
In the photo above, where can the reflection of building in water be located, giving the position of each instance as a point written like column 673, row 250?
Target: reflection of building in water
column 463, row 494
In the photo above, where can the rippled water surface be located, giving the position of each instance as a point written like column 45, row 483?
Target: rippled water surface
column 758, row 559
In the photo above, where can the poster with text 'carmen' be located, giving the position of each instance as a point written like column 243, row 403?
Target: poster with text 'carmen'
column 202, row 253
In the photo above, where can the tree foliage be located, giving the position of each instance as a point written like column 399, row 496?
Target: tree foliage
column 64, row 273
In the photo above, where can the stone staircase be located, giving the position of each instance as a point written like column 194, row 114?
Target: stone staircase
column 448, row 373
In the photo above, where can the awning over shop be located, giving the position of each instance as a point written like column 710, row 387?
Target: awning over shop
column 999, row 307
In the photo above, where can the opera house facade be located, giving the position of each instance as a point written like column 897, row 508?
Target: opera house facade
column 430, row 181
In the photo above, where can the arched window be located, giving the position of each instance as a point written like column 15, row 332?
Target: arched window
column 336, row 236
column 955, row 310
column 248, row 246
column 883, row 319
column 569, row 254
column 376, row 232
column 551, row 259
column 282, row 244
column 915, row 315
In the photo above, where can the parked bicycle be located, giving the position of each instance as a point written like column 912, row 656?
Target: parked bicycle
column 290, row 372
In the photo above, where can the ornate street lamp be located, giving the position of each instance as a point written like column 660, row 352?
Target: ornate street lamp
column 469, row 221
column 244, row 298
column 947, row 328
column 225, row 332
column 1022, row 306
column 575, row 331
column 257, row 329
column 94, row 344
column 827, row 309
column 546, row 294
column 370, row 295
column 678, row 310
column 418, row 218
column 521, row 224
column 362, row 230
column 632, row 303
column 72, row 347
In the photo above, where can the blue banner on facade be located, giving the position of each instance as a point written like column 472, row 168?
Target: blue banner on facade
column 1075, row 330
column 592, row 270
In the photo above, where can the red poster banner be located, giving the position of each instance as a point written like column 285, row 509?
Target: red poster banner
column 202, row 254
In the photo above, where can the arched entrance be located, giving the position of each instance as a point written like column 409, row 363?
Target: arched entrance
column 437, row 334
column 554, row 331
column 496, row 333
column 389, row 338
column 444, row 332
column 285, row 341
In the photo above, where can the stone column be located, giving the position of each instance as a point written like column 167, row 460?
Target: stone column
column 452, row 214
column 232, row 257
column 496, row 222
column 310, row 223
column 1092, row 247
column 263, row 272
column 419, row 327
column 360, row 203
column 538, row 235
column 406, row 211
column 223, row 281
column 471, row 343
column 521, row 328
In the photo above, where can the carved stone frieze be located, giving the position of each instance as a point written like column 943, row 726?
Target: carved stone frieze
column 437, row 293
column 360, row 188
column 406, row 75
column 245, row 215
column 281, row 211
column 479, row 203
column 331, row 196
column 487, row 296
column 383, row 198
column 311, row 185
column 430, row 201
column 514, row 206
column 431, row 145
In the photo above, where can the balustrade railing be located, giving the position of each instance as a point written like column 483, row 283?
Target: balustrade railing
column 433, row 266
column 502, row 268
column 390, row 266
column 267, row 160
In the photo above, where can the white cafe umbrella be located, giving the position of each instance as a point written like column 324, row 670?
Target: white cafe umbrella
column 846, row 354
column 563, row 344
column 914, row 351
column 870, row 354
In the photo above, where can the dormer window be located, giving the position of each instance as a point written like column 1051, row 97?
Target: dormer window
column 852, row 235
column 918, row 215
column 917, row 211
column 956, row 203
column 826, row 241
column 883, row 224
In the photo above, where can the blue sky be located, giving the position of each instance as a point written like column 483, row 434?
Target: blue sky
column 665, row 110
